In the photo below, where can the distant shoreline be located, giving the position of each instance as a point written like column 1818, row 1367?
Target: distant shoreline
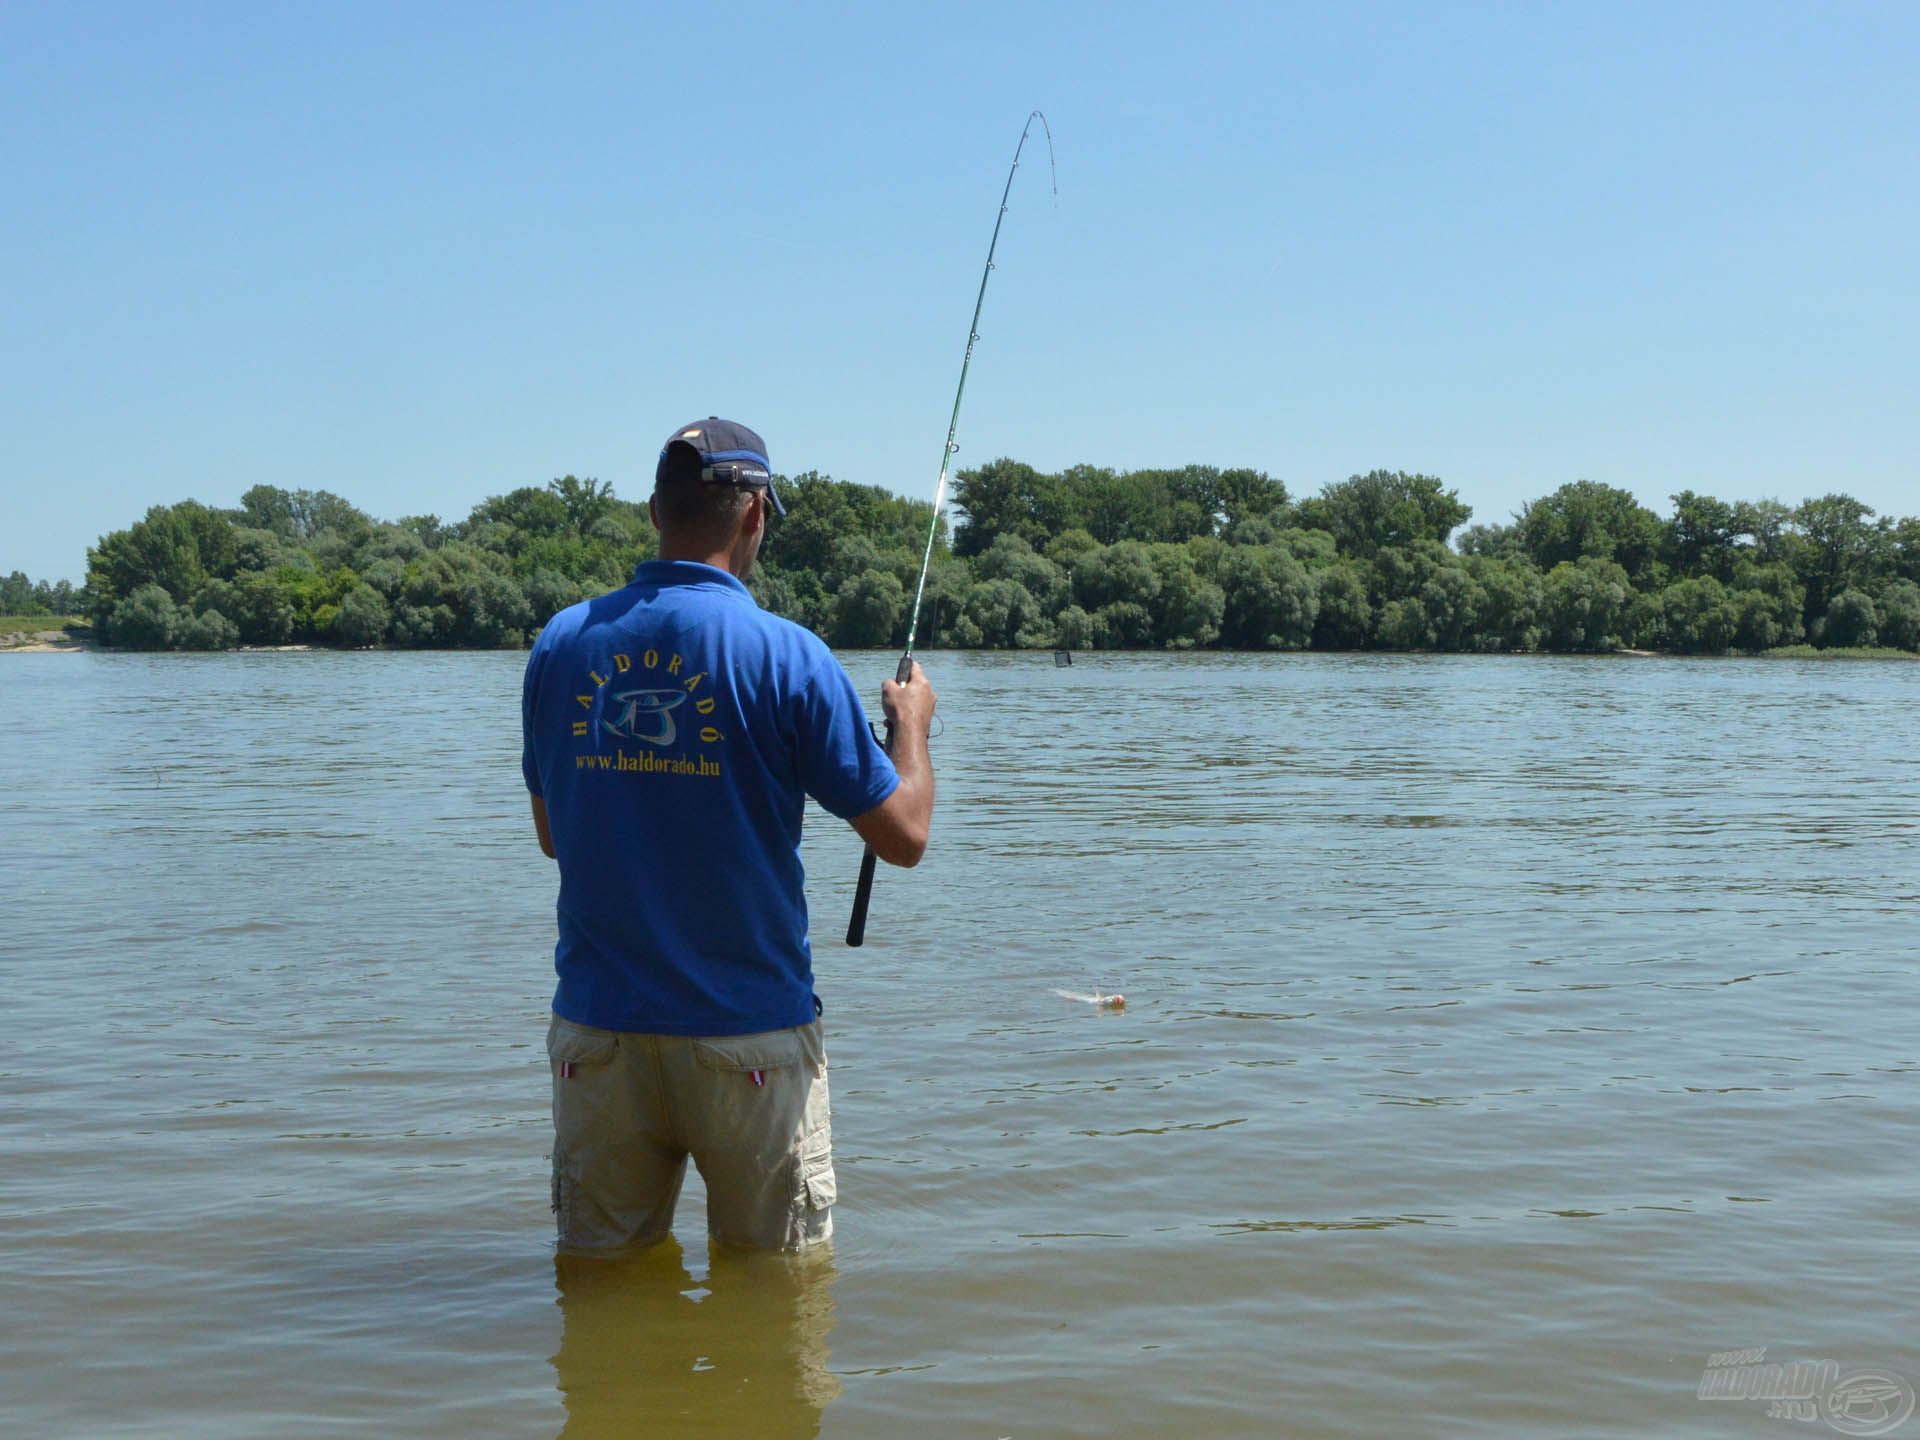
column 64, row 642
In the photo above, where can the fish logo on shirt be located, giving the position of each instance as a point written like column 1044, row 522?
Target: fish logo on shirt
column 645, row 715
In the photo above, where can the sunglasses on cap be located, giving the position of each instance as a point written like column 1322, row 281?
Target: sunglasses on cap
column 745, row 471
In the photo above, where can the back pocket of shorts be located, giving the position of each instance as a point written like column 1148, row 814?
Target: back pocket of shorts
column 571, row 1044
column 768, row 1050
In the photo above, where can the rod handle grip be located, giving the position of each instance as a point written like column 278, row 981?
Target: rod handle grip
column 862, row 897
column 863, row 890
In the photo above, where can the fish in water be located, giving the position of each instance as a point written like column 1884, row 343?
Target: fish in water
column 1097, row 1000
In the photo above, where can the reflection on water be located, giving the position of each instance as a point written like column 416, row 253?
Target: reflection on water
column 646, row 1349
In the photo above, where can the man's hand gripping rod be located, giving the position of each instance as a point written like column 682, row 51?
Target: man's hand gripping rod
column 869, row 862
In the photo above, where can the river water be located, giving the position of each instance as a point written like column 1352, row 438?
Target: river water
column 1504, row 1038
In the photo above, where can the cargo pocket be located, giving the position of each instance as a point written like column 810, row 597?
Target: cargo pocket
column 578, row 1056
column 818, row 1188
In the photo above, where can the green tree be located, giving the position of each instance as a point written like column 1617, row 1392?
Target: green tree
column 1839, row 550
column 1770, row 601
column 146, row 620
column 1404, row 625
column 1271, row 603
column 1584, row 606
column 1903, row 550
column 549, row 592
column 1344, row 618
column 1701, row 617
column 177, row 547
column 321, row 512
column 386, row 575
column 1366, row 513
column 1005, row 497
column 1114, row 506
column 55, row 598
column 17, row 597
column 1123, row 625
column 423, row 626
column 1491, row 542
column 1206, row 553
column 1192, row 608
column 1851, row 620
column 1757, row 623
column 428, row 529
column 1589, row 520
column 511, row 522
column 1260, row 530
column 263, row 607
column 1242, row 493
column 868, row 608
column 1074, row 629
column 209, row 630
column 585, row 500
column 1699, row 538
column 1314, row 549
column 260, row 550
column 1766, row 522
column 1120, row 574
column 1899, row 615
column 823, row 512
column 1011, row 558
column 492, row 610
column 1454, row 602
column 1511, row 592
column 949, row 583
column 268, row 508
column 1005, row 614
column 1070, row 547
column 362, row 617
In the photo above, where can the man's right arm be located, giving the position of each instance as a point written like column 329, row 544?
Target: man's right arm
column 542, row 831
column 897, row 827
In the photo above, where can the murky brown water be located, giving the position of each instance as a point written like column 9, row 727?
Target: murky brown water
column 1504, row 1037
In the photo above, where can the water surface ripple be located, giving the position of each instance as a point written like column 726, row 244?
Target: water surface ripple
column 1504, row 1037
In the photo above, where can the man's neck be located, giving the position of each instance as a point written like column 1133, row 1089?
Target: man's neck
column 699, row 555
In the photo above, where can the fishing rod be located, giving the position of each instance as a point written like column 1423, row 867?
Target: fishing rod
column 863, row 892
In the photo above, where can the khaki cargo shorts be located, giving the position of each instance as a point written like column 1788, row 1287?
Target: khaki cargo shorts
column 750, row 1109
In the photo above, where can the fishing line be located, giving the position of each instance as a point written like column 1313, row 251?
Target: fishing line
column 863, row 893
column 973, row 337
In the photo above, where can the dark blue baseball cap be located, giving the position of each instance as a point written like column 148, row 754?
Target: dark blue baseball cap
column 729, row 454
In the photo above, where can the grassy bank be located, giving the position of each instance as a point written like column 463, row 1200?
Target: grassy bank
column 1812, row 652
column 34, row 624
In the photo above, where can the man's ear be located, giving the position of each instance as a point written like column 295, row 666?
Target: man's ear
column 653, row 510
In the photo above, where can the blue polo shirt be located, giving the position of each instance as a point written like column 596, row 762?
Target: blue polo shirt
column 674, row 730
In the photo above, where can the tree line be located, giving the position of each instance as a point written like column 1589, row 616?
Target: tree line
column 1083, row 558
column 21, row 596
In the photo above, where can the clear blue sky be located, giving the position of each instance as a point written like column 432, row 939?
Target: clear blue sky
column 419, row 254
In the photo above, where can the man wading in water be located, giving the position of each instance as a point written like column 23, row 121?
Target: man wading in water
column 672, row 731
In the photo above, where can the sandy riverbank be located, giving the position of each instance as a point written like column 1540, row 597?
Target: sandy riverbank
column 39, row 641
